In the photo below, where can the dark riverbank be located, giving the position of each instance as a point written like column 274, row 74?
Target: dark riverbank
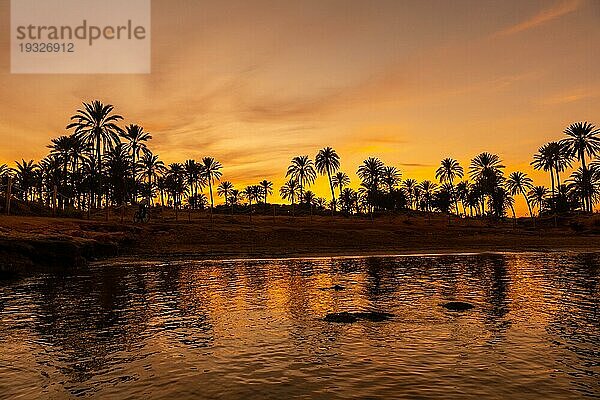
column 26, row 242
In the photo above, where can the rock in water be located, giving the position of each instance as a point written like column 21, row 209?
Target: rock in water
column 341, row 317
column 337, row 288
column 457, row 306
column 350, row 317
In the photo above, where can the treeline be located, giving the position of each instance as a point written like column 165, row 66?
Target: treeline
column 100, row 163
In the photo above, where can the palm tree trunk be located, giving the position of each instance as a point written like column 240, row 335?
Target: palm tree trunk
column 553, row 195
column 332, row 192
column 212, row 203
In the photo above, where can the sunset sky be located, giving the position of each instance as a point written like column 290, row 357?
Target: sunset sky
column 254, row 83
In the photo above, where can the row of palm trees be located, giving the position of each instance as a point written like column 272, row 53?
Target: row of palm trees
column 100, row 164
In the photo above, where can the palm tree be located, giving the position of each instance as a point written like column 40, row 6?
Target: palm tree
column 462, row 193
column 234, row 198
column 211, row 171
column 340, row 179
column 152, row 168
column 289, row 191
column 96, row 124
column 409, row 186
column 390, row 177
column 302, row 170
column 551, row 158
column 428, row 190
column 348, row 199
column 583, row 140
column 61, row 148
column 224, row 190
column 252, row 193
column 25, row 177
column 538, row 196
column 135, row 141
column 371, row 171
column 327, row 162
column 584, row 184
column 449, row 170
column 519, row 182
column 486, row 171
column 267, row 188
column 193, row 177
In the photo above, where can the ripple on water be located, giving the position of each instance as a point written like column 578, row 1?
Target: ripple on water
column 256, row 329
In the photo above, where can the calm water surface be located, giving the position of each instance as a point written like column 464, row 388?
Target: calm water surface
column 254, row 329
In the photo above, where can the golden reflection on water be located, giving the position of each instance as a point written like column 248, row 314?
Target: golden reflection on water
column 255, row 329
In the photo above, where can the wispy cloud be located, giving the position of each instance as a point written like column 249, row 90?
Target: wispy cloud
column 558, row 10
column 571, row 96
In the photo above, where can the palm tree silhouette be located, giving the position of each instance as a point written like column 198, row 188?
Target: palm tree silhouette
column 25, row 177
column 135, row 141
column 486, row 171
column 519, row 182
column 340, row 179
column 96, row 124
column 551, row 158
column 370, row 171
column 538, row 196
column 427, row 191
column 327, row 162
column 152, row 167
column 289, row 191
column 252, row 193
column 302, row 170
column 234, row 198
column 266, row 188
column 449, row 170
column 390, row 177
column 462, row 193
column 409, row 186
column 584, row 184
column 224, row 190
column 583, row 140
column 211, row 171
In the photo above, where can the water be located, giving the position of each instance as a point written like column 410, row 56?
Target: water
column 254, row 329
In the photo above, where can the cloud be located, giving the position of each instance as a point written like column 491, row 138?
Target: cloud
column 558, row 10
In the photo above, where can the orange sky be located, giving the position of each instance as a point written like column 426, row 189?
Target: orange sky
column 254, row 83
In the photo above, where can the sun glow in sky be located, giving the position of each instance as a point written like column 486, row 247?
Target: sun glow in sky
column 254, row 83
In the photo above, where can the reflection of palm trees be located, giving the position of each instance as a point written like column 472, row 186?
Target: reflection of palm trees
column 449, row 170
column 327, row 162
column 302, row 170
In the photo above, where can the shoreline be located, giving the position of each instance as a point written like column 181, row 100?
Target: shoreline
column 27, row 242
column 145, row 259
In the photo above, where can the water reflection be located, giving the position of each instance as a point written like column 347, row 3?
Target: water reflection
column 255, row 329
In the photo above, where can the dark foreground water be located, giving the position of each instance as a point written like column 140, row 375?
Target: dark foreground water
column 254, row 329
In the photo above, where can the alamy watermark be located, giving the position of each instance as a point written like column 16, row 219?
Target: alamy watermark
column 80, row 36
